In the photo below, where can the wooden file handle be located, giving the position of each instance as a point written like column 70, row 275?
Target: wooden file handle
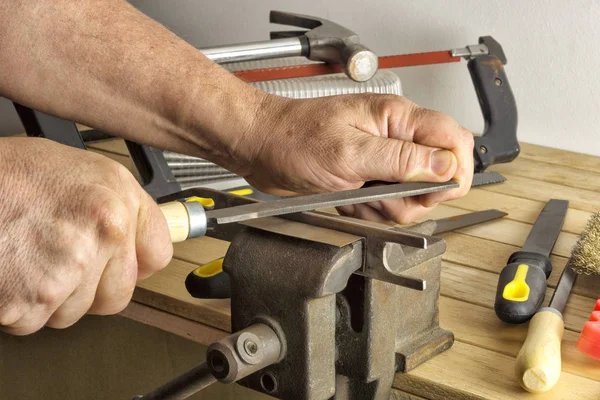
column 538, row 362
column 178, row 220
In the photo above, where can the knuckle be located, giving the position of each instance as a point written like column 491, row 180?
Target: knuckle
column 24, row 328
column 112, row 219
column 418, row 113
column 21, row 330
column 50, row 293
column 9, row 316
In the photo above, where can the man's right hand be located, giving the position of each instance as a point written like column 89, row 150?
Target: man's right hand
column 78, row 231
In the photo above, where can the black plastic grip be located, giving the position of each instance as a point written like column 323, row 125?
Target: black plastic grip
column 217, row 286
column 499, row 143
column 538, row 270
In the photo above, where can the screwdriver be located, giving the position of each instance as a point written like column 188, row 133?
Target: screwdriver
column 522, row 283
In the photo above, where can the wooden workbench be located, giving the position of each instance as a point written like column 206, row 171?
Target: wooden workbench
column 481, row 362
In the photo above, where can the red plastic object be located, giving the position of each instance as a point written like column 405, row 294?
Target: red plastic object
column 589, row 340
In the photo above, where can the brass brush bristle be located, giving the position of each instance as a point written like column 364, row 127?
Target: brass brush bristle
column 585, row 258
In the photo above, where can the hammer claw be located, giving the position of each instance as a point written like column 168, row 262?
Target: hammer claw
column 298, row 20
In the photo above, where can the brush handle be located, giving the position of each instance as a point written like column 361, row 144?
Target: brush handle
column 538, row 362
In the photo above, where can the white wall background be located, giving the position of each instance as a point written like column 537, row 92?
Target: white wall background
column 552, row 46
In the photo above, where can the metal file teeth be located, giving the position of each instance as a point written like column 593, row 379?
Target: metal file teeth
column 487, row 178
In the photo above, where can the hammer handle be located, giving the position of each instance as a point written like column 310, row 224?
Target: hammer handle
column 277, row 48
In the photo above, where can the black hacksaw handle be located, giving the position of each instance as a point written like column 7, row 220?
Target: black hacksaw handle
column 498, row 143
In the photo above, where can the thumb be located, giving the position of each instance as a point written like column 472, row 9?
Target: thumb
column 393, row 160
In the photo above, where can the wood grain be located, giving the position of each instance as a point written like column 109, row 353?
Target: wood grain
column 470, row 372
column 527, row 188
column 491, row 256
column 552, row 173
column 488, row 332
column 180, row 326
column 479, row 287
column 560, row 157
column 518, row 209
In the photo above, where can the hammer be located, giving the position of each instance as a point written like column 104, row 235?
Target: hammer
column 323, row 41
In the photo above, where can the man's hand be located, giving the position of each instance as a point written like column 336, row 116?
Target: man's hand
column 77, row 232
column 339, row 143
column 130, row 76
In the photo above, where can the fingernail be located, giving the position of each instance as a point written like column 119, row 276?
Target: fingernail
column 441, row 161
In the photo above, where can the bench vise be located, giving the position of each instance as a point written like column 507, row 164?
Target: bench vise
column 322, row 313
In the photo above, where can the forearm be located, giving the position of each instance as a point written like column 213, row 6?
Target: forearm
column 106, row 65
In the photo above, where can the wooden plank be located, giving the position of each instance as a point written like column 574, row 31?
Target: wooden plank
column 470, row 372
column 505, row 231
column 560, row 157
column 518, row 209
column 491, row 256
column 527, row 188
column 194, row 250
column 180, row 326
column 478, row 326
column 397, row 394
column 166, row 291
column 558, row 174
column 479, row 288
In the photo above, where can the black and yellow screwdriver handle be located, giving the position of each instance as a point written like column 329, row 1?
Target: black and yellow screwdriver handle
column 522, row 287
column 209, row 281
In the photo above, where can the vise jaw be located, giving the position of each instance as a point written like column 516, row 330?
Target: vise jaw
column 344, row 333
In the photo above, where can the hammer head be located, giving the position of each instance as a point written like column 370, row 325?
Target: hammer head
column 329, row 42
